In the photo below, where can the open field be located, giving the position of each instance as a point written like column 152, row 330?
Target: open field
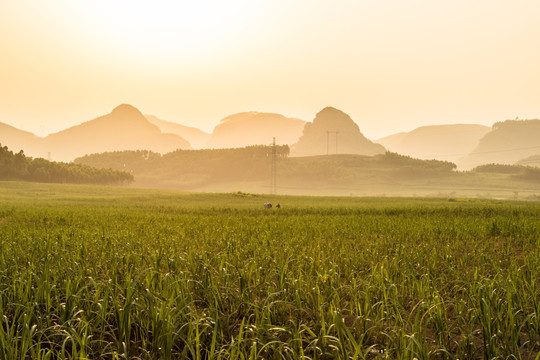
column 104, row 272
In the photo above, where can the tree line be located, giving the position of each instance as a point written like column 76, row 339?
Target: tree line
column 200, row 166
column 529, row 173
column 17, row 166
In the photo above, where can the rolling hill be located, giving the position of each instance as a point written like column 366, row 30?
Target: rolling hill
column 250, row 170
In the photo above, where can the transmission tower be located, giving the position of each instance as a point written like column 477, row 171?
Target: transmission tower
column 273, row 180
column 328, row 141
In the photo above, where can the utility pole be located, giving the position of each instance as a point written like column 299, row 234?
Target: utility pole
column 328, row 141
column 274, row 155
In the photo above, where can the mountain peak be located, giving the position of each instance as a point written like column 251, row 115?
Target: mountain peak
column 332, row 117
column 331, row 110
column 322, row 134
column 126, row 109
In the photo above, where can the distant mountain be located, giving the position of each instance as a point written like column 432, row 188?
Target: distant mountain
column 506, row 143
column 125, row 128
column 332, row 131
column 197, row 138
column 441, row 142
column 17, row 140
column 533, row 160
column 255, row 128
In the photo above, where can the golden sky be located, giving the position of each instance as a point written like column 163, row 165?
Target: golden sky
column 392, row 65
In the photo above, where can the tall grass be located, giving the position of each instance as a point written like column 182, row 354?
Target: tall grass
column 172, row 278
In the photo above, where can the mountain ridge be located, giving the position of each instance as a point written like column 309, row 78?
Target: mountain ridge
column 443, row 142
column 17, row 140
column 508, row 142
column 126, row 128
column 195, row 136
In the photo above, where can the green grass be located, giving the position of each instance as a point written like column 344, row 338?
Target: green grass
column 115, row 273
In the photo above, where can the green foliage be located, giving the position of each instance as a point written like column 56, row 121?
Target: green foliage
column 88, row 272
column 19, row 167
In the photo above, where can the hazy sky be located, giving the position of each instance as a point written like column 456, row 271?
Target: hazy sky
column 392, row 65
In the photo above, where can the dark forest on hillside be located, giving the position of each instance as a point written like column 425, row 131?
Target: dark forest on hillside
column 17, row 166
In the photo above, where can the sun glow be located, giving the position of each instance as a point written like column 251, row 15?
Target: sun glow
column 393, row 65
column 165, row 28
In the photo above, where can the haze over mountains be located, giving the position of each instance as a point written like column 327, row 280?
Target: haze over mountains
column 18, row 140
column 125, row 128
column 469, row 145
column 441, row 142
column 331, row 132
column 196, row 137
column 507, row 143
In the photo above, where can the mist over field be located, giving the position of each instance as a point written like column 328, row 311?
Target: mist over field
column 270, row 153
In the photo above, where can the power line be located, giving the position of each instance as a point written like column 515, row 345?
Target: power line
column 328, row 141
column 436, row 155
column 481, row 152
column 273, row 179
column 531, row 161
column 498, row 151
